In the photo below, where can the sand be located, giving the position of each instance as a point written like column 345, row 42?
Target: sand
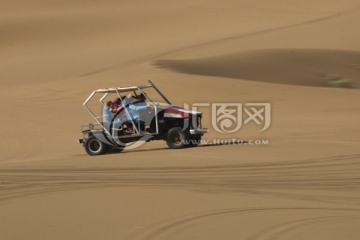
column 303, row 185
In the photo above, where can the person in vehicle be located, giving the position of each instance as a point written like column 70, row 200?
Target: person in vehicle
column 110, row 110
column 116, row 103
column 119, row 102
column 112, row 115
column 130, row 115
column 135, row 109
column 138, row 105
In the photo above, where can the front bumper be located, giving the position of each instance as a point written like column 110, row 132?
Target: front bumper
column 199, row 131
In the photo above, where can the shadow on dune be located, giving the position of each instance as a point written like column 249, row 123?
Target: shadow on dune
column 305, row 67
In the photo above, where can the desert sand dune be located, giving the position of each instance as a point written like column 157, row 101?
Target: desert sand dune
column 303, row 185
column 287, row 66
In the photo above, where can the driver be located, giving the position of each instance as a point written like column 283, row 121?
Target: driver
column 138, row 105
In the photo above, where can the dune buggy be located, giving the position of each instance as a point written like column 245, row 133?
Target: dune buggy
column 131, row 116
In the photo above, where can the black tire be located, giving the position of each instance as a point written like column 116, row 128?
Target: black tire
column 93, row 146
column 177, row 138
column 195, row 141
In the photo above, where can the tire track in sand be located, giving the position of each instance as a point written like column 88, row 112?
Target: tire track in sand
column 332, row 180
column 170, row 227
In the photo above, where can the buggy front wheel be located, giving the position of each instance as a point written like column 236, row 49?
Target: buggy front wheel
column 177, row 138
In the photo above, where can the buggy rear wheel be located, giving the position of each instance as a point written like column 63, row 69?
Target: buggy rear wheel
column 93, row 146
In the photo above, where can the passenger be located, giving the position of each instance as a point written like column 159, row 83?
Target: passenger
column 109, row 111
column 116, row 103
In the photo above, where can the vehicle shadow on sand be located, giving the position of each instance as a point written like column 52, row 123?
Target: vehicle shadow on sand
column 180, row 149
